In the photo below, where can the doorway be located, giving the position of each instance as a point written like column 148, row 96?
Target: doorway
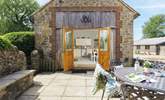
column 68, row 46
column 83, row 48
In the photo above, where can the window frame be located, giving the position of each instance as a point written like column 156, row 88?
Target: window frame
column 147, row 47
column 138, row 47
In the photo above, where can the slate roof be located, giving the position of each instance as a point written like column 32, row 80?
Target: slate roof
column 151, row 41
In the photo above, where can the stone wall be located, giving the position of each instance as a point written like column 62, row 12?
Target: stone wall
column 15, row 84
column 43, row 30
column 41, row 64
column 126, row 33
column 11, row 61
column 35, row 60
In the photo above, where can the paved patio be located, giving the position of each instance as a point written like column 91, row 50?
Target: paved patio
column 60, row 86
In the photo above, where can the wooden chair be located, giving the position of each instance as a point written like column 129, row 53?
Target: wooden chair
column 134, row 92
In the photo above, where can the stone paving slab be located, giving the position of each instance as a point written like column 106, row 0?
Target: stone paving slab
column 53, row 91
column 43, row 82
column 34, row 91
column 77, row 83
column 59, row 83
column 27, row 98
column 89, row 82
column 62, row 86
column 48, row 98
column 73, row 98
column 75, row 91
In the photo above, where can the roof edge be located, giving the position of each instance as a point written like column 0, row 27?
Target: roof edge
column 130, row 8
column 147, row 41
column 45, row 5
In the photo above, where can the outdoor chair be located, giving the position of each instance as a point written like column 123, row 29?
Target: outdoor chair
column 113, row 62
column 114, row 65
column 132, row 91
column 113, row 68
column 104, row 81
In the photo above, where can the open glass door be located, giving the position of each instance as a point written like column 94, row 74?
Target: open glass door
column 104, row 48
column 68, row 49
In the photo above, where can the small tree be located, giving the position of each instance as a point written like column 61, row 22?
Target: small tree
column 15, row 15
column 155, row 27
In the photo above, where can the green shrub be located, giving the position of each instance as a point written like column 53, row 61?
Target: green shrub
column 23, row 40
column 147, row 64
column 5, row 43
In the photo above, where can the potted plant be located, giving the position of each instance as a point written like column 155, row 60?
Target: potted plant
column 146, row 66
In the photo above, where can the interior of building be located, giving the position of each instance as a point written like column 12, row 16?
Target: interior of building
column 85, row 48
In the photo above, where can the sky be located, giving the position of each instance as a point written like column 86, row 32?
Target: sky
column 146, row 8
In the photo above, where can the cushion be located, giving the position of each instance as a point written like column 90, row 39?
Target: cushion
column 104, row 80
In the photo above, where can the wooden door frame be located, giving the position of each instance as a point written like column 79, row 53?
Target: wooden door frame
column 109, row 43
column 64, row 30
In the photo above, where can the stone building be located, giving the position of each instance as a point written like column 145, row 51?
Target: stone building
column 152, row 46
column 83, row 32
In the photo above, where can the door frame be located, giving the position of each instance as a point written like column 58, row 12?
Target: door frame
column 65, row 29
column 108, row 51
column 68, row 65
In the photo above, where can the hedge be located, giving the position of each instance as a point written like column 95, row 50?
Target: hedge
column 5, row 43
column 23, row 40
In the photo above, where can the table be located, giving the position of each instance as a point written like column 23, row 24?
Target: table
column 157, row 86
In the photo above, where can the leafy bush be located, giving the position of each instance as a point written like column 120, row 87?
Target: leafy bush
column 23, row 40
column 147, row 64
column 4, row 43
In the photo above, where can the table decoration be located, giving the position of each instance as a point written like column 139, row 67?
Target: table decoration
column 146, row 66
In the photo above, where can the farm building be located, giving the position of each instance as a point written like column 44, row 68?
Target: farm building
column 152, row 46
column 80, row 33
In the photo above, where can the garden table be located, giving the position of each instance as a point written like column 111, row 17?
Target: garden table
column 156, row 86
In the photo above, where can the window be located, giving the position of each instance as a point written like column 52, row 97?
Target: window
column 138, row 47
column 147, row 47
column 68, row 40
column 104, row 40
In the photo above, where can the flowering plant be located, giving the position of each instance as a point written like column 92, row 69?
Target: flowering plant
column 147, row 64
